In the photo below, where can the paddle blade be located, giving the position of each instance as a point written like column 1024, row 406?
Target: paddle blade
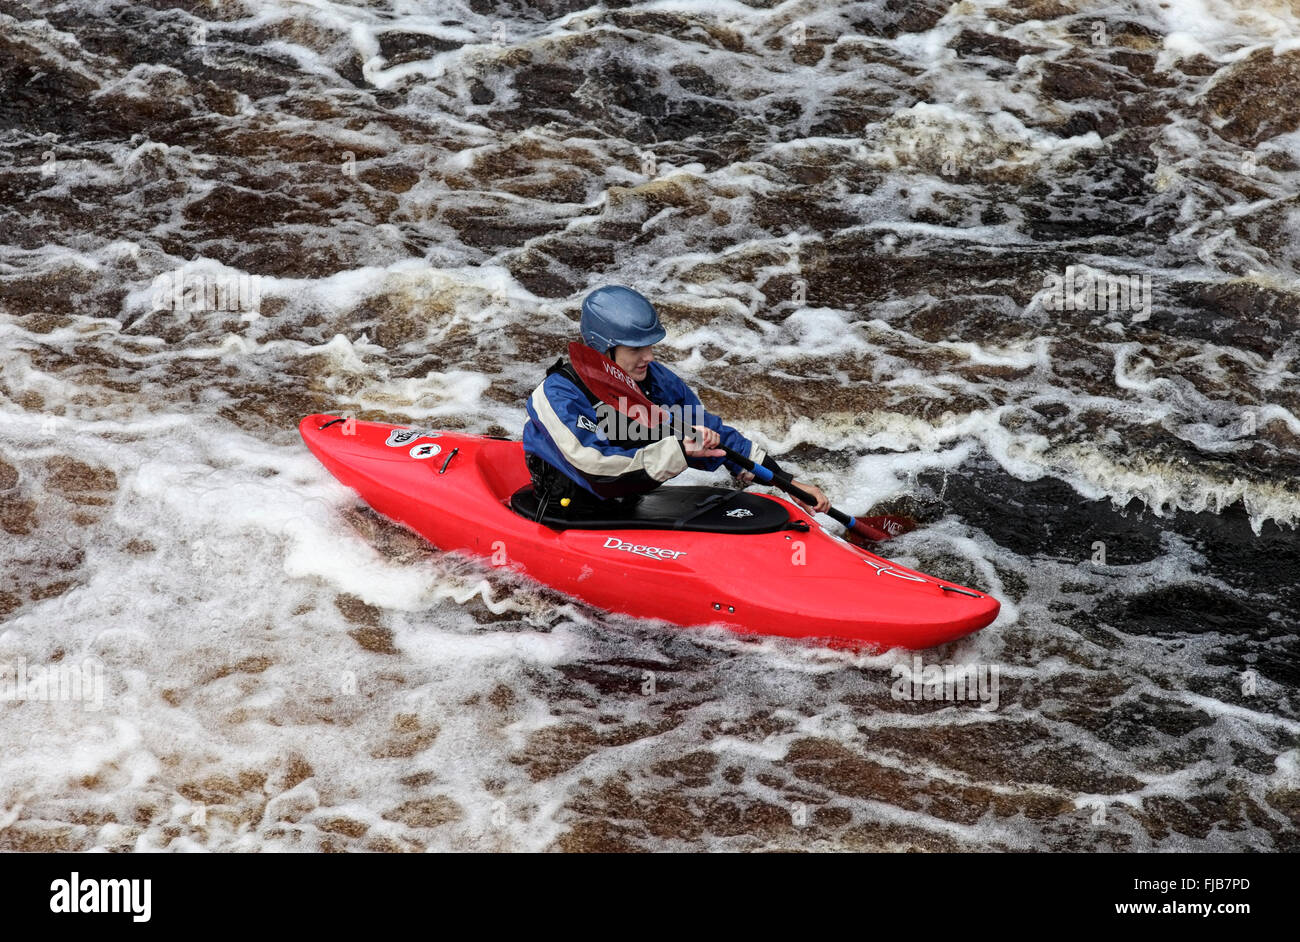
column 877, row 529
column 614, row 387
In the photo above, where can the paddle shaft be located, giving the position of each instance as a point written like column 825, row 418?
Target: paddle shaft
column 786, row 483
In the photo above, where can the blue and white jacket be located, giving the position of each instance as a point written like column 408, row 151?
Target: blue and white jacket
column 568, row 432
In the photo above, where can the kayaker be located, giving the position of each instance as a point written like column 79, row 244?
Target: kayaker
column 585, row 464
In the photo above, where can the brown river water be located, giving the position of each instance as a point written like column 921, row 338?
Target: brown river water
column 1026, row 269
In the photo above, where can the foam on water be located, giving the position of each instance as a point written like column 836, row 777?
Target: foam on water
column 847, row 239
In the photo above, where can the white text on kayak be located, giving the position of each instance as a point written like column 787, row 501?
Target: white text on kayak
column 650, row 552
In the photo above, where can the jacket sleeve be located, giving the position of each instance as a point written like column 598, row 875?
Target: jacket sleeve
column 677, row 393
column 573, row 425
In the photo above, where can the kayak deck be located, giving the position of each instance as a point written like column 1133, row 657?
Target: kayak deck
column 683, row 507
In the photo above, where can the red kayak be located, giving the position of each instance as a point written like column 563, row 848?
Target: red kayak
column 754, row 563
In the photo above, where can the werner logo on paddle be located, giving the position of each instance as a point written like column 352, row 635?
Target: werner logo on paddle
column 619, row 375
column 650, row 552
column 102, row 896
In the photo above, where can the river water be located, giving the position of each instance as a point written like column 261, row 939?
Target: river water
column 1026, row 269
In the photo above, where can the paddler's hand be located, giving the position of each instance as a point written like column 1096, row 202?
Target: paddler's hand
column 823, row 502
column 703, row 443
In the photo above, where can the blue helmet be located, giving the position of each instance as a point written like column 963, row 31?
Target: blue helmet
column 615, row 315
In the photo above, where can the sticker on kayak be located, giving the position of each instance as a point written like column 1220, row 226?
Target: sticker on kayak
column 425, row 451
column 650, row 552
column 740, row 512
column 400, row 437
column 882, row 570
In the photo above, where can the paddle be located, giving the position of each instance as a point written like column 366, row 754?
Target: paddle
column 611, row 385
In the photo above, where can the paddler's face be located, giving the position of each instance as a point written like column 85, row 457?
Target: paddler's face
column 634, row 361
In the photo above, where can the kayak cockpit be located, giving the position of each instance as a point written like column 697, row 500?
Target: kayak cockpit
column 687, row 508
